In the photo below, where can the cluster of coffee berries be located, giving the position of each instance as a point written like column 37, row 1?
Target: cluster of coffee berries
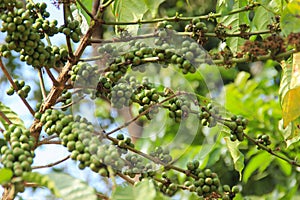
column 237, row 125
column 18, row 156
column 185, row 62
column 103, row 87
column 124, row 141
column 22, row 89
column 25, row 29
column 162, row 154
column 168, row 185
column 84, row 75
column 163, row 30
column 136, row 166
column 209, row 115
column 7, row 5
column 147, row 97
column 38, row 10
column 205, row 181
column 179, row 108
column 228, row 193
column 220, row 31
column 198, row 30
column 121, row 94
column 109, row 51
column 263, row 139
column 66, row 99
column 71, row 29
column 77, row 134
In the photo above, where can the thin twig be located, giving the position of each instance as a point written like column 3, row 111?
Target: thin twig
column 115, row 40
column 178, row 18
column 51, row 164
column 49, row 142
column 68, row 39
column 70, row 104
column 15, row 87
column 5, row 118
column 270, row 151
column 55, row 82
column 102, row 7
column 126, row 178
column 42, row 84
column 144, row 112
column 102, row 196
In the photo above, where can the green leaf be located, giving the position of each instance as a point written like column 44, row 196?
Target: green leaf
column 11, row 115
column 88, row 5
column 224, row 6
column 260, row 161
column 234, row 21
column 241, row 79
column 291, row 133
column 129, row 10
column 275, row 6
column 153, row 6
column 144, row 190
column 42, row 181
column 289, row 91
column 285, row 167
column 5, row 175
column 262, row 18
column 237, row 156
column 291, row 194
column 69, row 187
column 290, row 18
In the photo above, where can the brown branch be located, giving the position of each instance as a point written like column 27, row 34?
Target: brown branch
column 51, row 77
column 42, row 84
column 270, row 151
column 126, row 178
column 102, row 196
column 178, row 18
column 15, row 87
column 64, row 76
column 5, row 118
column 51, row 164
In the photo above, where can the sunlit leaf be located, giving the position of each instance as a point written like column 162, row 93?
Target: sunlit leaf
column 291, row 133
column 290, row 91
column 275, row 6
column 144, row 190
column 88, row 5
column 5, row 175
column 237, row 156
column 42, row 181
column 153, row 6
column 260, row 161
column 290, row 17
column 285, row 167
column 71, row 188
column 129, row 10
column 11, row 115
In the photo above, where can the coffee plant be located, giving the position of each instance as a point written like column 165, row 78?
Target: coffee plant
column 156, row 99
